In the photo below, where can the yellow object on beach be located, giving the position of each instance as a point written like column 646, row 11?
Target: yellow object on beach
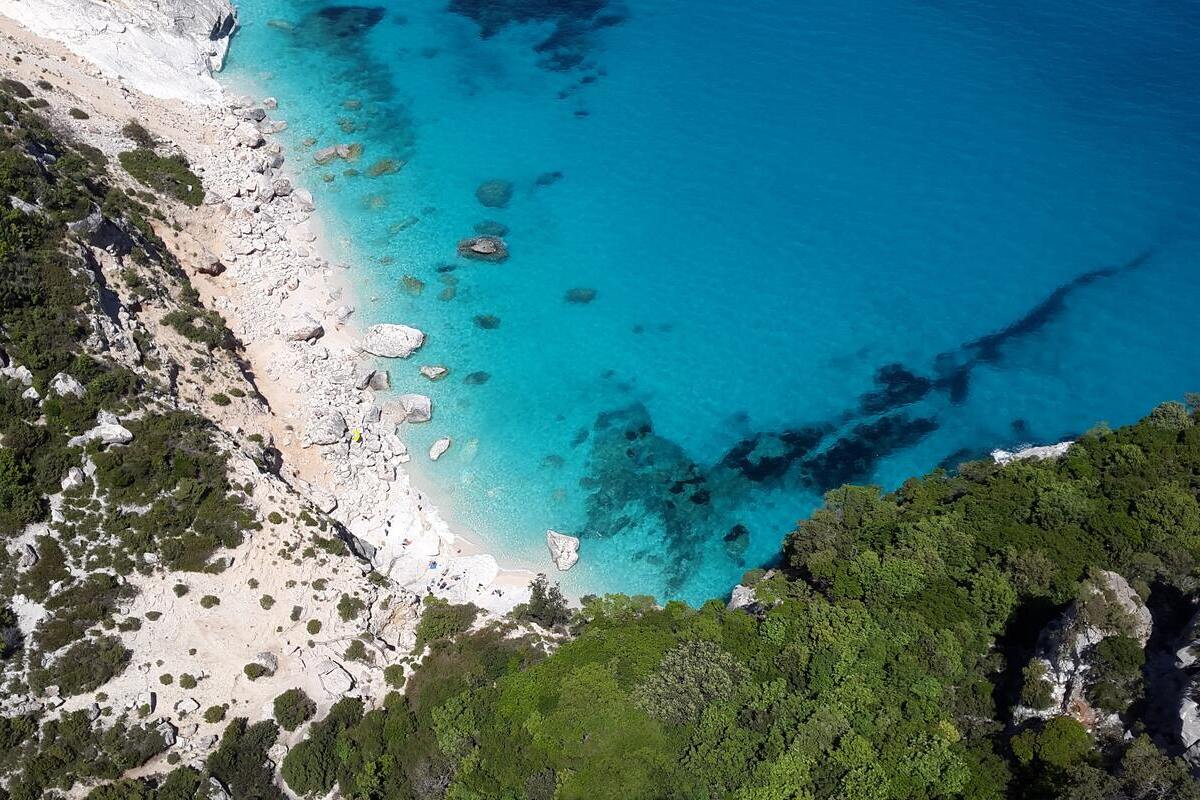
column 356, row 435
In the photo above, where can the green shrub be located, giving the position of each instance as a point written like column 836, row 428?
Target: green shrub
column 393, row 675
column 187, row 681
column 441, row 620
column 349, row 607
column 293, row 708
column 166, row 679
column 135, row 132
column 214, row 714
column 254, row 670
column 275, row 518
column 170, row 175
column 78, row 113
column 267, row 602
column 221, row 399
column 313, row 627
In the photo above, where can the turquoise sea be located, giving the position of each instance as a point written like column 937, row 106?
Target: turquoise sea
column 827, row 243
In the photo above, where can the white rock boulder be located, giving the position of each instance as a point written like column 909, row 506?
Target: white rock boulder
column 303, row 328
column 392, row 341
column 328, row 428
column 415, row 408
column 564, row 549
column 439, row 448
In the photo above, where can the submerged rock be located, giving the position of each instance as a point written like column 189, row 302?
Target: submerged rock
column 477, row 378
column 564, row 549
column 580, row 295
column 483, row 248
column 490, row 227
column 494, row 193
column 412, row 285
column 487, row 322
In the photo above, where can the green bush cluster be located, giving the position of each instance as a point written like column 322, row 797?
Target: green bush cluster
column 877, row 665
column 293, row 708
column 170, row 175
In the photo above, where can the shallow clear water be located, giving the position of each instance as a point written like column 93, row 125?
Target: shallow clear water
column 773, row 200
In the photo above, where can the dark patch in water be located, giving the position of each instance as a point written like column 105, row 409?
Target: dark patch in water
column 896, row 386
column 489, row 322
column 476, row 378
column 568, row 44
column 854, row 456
column 769, row 456
column 342, row 22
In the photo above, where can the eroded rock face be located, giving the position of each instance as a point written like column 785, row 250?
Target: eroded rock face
column 1107, row 606
column 564, row 549
column 392, row 341
column 167, row 48
column 64, row 385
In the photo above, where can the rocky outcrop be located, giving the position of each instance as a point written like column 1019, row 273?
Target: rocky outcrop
column 327, row 428
column 415, row 408
column 439, row 448
column 564, row 549
column 483, row 248
column 392, row 341
column 167, row 48
column 64, row 385
column 1065, row 655
column 1031, row 453
column 302, row 328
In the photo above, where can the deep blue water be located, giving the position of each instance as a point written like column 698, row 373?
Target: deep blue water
column 828, row 242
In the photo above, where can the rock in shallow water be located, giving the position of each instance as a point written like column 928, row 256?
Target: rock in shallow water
column 483, row 248
column 564, row 549
column 439, row 448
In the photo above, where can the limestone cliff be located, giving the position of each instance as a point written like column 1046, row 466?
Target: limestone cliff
column 165, row 48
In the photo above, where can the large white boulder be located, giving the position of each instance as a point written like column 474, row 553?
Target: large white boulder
column 564, row 549
column 392, row 341
column 415, row 408
column 64, row 385
column 439, row 448
column 328, row 428
column 303, row 328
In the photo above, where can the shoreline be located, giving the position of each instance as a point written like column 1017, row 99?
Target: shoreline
column 267, row 235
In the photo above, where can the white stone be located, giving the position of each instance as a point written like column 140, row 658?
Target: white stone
column 439, row 448
column 74, row 479
column 434, row 372
column 392, row 340
column 64, row 385
column 303, row 328
column 415, row 408
column 1036, row 453
column 328, row 428
column 564, row 549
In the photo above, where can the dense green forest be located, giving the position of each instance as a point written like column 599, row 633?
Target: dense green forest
column 893, row 652
column 883, row 661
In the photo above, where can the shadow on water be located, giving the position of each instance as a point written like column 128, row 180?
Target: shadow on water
column 637, row 479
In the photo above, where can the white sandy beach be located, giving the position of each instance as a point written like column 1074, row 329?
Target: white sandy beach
column 269, row 241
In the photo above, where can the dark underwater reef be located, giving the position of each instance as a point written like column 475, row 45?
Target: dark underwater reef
column 568, row 44
column 637, row 477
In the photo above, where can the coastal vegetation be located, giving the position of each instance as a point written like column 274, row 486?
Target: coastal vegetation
column 885, row 659
column 898, row 649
